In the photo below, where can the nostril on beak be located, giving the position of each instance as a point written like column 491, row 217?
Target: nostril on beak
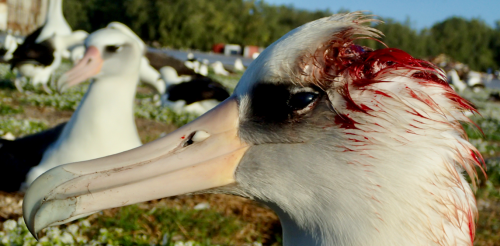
column 196, row 136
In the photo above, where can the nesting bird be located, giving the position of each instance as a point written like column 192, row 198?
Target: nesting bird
column 42, row 51
column 192, row 94
column 181, row 88
column 348, row 145
column 103, row 124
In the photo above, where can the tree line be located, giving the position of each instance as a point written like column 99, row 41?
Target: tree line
column 198, row 24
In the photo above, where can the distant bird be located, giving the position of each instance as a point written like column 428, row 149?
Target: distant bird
column 186, row 92
column 455, row 81
column 147, row 73
column 77, row 53
column 9, row 45
column 192, row 62
column 103, row 124
column 349, row 146
column 475, row 81
column 218, row 68
column 55, row 23
column 41, row 52
column 238, row 65
column 189, row 94
column 159, row 59
column 204, row 67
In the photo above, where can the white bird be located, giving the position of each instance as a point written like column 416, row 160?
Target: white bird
column 9, row 45
column 103, row 123
column 55, row 23
column 77, row 53
column 38, row 61
column 204, row 67
column 238, row 65
column 218, row 68
column 349, row 146
column 191, row 94
column 455, row 80
column 192, row 62
column 147, row 73
column 475, row 81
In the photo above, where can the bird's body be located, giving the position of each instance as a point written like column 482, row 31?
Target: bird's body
column 218, row 68
column 193, row 94
column 159, row 60
column 349, row 146
column 38, row 61
column 103, row 124
column 16, row 162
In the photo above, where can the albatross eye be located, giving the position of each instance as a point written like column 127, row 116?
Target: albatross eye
column 113, row 48
column 301, row 100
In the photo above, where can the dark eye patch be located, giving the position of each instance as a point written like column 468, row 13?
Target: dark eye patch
column 112, row 48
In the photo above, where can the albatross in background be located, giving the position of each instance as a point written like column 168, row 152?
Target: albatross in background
column 194, row 95
column 186, row 91
column 39, row 61
column 9, row 45
column 103, row 124
column 40, row 53
column 348, row 145
column 147, row 73
column 55, row 23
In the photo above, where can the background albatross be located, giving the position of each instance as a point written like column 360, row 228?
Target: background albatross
column 349, row 146
column 103, row 124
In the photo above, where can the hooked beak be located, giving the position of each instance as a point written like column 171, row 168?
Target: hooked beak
column 201, row 155
column 89, row 66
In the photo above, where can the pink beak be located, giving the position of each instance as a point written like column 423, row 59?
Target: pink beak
column 89, row 66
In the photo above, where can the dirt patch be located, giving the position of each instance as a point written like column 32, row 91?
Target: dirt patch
column 150, row 130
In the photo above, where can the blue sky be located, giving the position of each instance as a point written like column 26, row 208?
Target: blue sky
column 422, row 13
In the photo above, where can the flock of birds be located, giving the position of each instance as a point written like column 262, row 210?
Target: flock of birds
column 348, row 145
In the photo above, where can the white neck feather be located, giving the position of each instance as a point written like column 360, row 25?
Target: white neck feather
column 103, row 124
column 55, row 23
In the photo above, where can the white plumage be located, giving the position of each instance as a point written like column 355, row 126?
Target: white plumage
column 103, row 123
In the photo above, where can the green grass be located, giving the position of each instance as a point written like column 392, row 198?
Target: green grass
column 6, row 109
column 21, row 127
column 133, row 225
column 166, row 225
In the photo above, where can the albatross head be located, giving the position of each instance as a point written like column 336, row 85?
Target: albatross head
column 110, row 53
column 349, row 146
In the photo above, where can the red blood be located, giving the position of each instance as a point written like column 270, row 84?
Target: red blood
column 345, row 122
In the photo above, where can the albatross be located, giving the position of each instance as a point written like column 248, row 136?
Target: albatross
column 40, row 53
column 348, row 145
column 103, row 124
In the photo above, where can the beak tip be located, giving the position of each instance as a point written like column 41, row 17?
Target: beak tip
column 31, row 228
